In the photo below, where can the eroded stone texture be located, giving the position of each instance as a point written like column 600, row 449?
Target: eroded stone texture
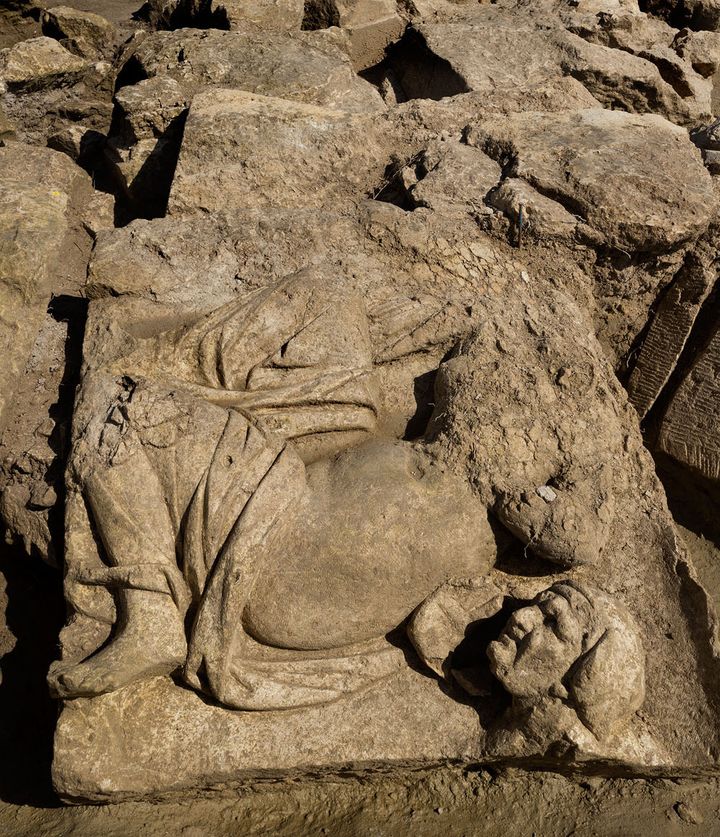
column 39, row 63
column 626, row 74
column 533, row 213
column 351, row 482
column 451, row 174
column 611, row 169
column 247, row 151
column 670, row 329
column 575, row 492
column 150, row 114
column 574, row 663
column 265, row 14
column 43, row 251
column 89, row 35
column 369, row 26
column 144, row 141
column 303, row 67
column 689, row 428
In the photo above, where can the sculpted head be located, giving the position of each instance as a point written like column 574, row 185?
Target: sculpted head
column 573, row 642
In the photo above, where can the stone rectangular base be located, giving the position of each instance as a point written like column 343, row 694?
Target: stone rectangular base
column 154, row 737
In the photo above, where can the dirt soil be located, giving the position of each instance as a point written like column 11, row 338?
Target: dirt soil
column 442, row 802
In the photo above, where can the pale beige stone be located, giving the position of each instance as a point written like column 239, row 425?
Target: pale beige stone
column 167, row 393
column 612, row 169
column 267, row 14
column 89, row 34
column 351, row 483
column 300, row 66
column 701, row 49
column 44, row 249
column 670, row 329
column 37, row 64
column 532, row 212
column 433, row 60
column 574, row 664
column 280, row 154
column 689, row 427
column 370, row 26
column 452, row 174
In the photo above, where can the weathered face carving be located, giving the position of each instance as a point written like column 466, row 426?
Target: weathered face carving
column 537, row 646
column 576, row 644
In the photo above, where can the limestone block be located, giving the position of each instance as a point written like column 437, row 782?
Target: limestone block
column 153, row 738
column 44, row 249
column 37, row 64
column 637, row 83
column 244, row 150
column 90, row 35
column 529, row 421
column 701, row 49
column 670, row 330
column 451, row 174
column 689, row 431
column 149, row 117
column 300, row 66
column 143, row 146
column 369, row 25
column 41, row 188
column 612, row 169
column 266, row 15
column 434, row 60
column 531, row 212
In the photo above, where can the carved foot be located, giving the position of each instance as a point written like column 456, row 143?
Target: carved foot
column 128, row 658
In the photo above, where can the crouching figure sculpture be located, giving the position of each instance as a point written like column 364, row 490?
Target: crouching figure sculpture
column 262, row 540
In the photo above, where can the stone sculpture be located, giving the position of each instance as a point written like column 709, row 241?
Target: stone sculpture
column 574, row 664
column 274, row 554
column 319, row 406
column 571, row 660
column 237, row 485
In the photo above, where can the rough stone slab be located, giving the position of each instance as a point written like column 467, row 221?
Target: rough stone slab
column 541, row 216
column 39, row 188
column 669, row 332
column 635, row 83
column 155, row 737
column 44, row 249
column 300, row 66
column 370, row 26
column 37, row 64
column 90, row 35
column 433, row 59
column 690, row 430
column 7, row 129
column 636, row 179
column 450, row 174
column 270, row 15
column 241, row 150
column 610, row 486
